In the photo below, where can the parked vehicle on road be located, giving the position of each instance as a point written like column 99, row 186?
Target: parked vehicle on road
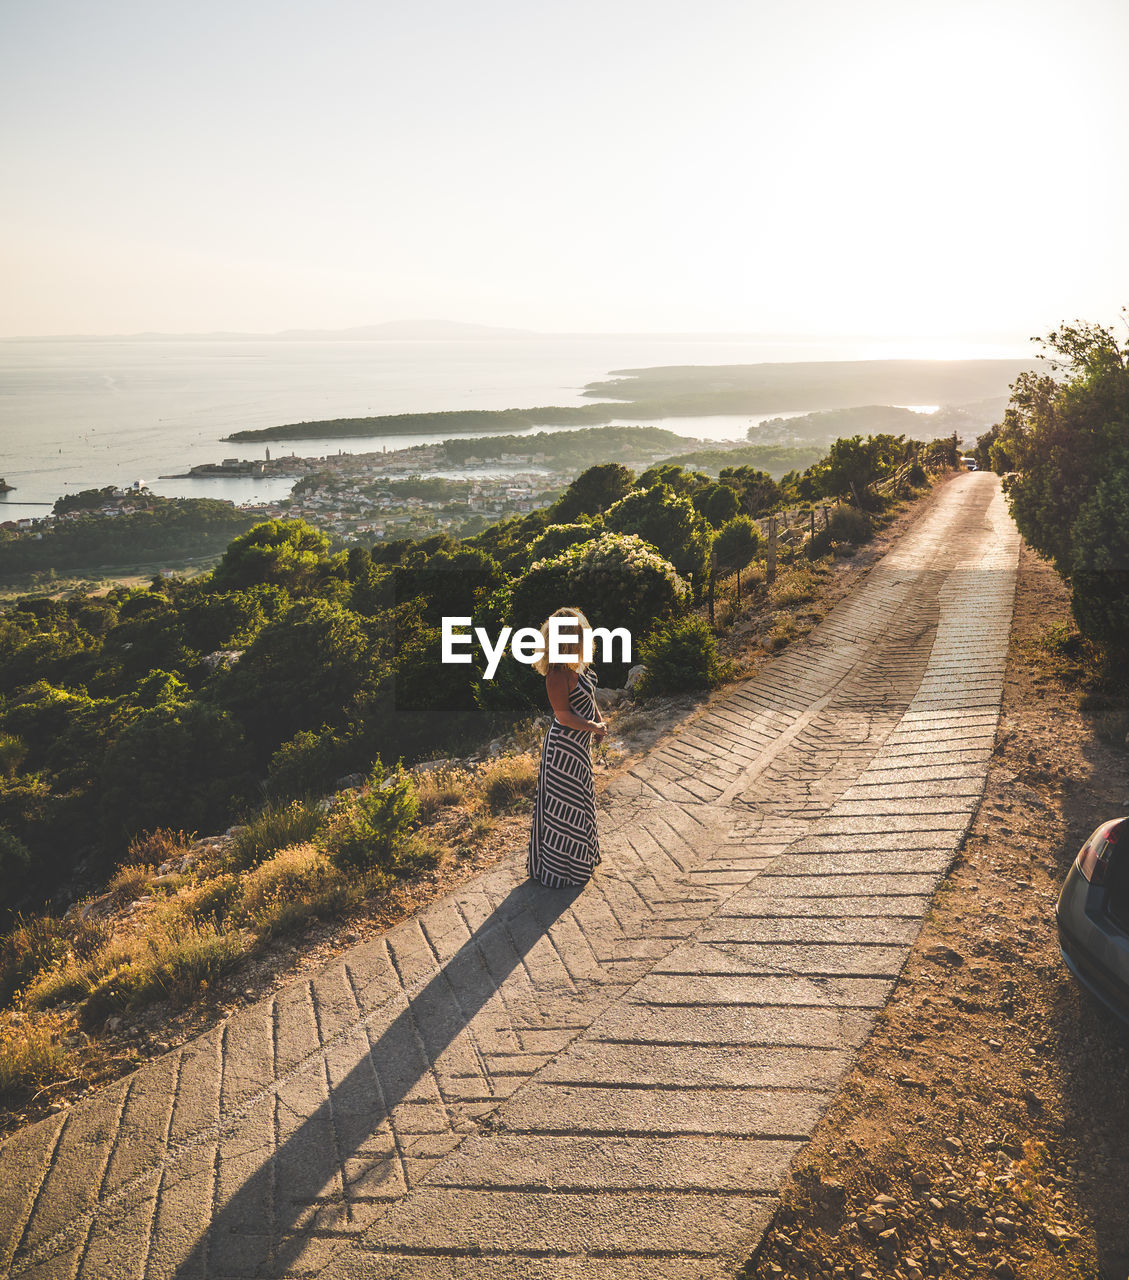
column 1093, row 916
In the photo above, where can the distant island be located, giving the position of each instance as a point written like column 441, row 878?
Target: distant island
column 391, row 331
column 705, row 390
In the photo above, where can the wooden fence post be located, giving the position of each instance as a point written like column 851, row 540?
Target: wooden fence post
column 770, row 567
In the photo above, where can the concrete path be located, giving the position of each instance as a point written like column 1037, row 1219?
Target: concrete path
column 610, row 1083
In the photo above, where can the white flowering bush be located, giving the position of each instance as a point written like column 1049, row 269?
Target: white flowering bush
column 559, row 537
column 617, row 580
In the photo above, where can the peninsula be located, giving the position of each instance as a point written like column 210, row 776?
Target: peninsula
column 701, row 391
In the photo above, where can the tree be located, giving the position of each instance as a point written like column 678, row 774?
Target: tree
column 718, row 503
column 684, row 483
column 305, row 669
column 177, row 765
column 1068, row 436
column 592, row 491
column 737, row 545
column 1100, row 575
column 282, row 552
column 852, row 466
column 756, row 490
column 669, row 523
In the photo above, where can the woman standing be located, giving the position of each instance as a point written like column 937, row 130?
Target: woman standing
column 563, row 845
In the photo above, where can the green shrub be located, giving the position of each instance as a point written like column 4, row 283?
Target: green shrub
column 850, row 525
column 668, row 523
column 818, row 546
column 680, row 655
column 14, row 857
column 310, row 762
column 273, row 828
column 373, row 829
column 1099, row 584
column 12, row 752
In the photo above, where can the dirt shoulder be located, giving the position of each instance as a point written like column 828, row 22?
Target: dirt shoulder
column 982, row 1131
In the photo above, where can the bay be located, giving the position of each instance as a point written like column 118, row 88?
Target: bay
column 77, row 414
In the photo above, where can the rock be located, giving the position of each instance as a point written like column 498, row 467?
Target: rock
column 945, row 955
column 349, row 782
column 920, row 1178
column 634, row 675
column 163, row 882
column 888, row 1245
column 222, row 658
column 609, row 699
column 830, row 1192
column 935, row 1204
column 1003, row 1224
column 113, row 1024
column 1003, row 1271
column 886, row 1202
column 427, row 766
column 952, row 1144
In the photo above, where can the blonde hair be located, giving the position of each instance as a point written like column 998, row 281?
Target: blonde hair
column 577, row 664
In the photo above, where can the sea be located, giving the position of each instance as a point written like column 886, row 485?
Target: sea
column 79, row 414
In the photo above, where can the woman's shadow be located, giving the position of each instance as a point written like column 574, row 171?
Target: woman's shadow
column 264, row 1225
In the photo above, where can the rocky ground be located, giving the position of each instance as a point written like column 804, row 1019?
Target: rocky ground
column 984, row 1130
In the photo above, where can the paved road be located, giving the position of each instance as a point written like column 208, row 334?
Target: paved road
column 611, row 1083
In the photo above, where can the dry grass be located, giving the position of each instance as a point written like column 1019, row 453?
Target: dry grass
column 275, row 828
column 441, row 788
column 128, row 884
column 508, row 781
column 31, row 1054
column 294, row 886
column 794, row 585
column 156, row 847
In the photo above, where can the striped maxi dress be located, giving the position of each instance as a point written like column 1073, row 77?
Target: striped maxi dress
column 563, row 846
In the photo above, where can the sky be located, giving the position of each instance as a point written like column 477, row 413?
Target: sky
column 856, row 167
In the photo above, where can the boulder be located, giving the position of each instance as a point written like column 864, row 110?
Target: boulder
column 633, row 677
column 609, row 699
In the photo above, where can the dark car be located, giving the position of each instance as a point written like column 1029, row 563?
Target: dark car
column 1093, row 916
